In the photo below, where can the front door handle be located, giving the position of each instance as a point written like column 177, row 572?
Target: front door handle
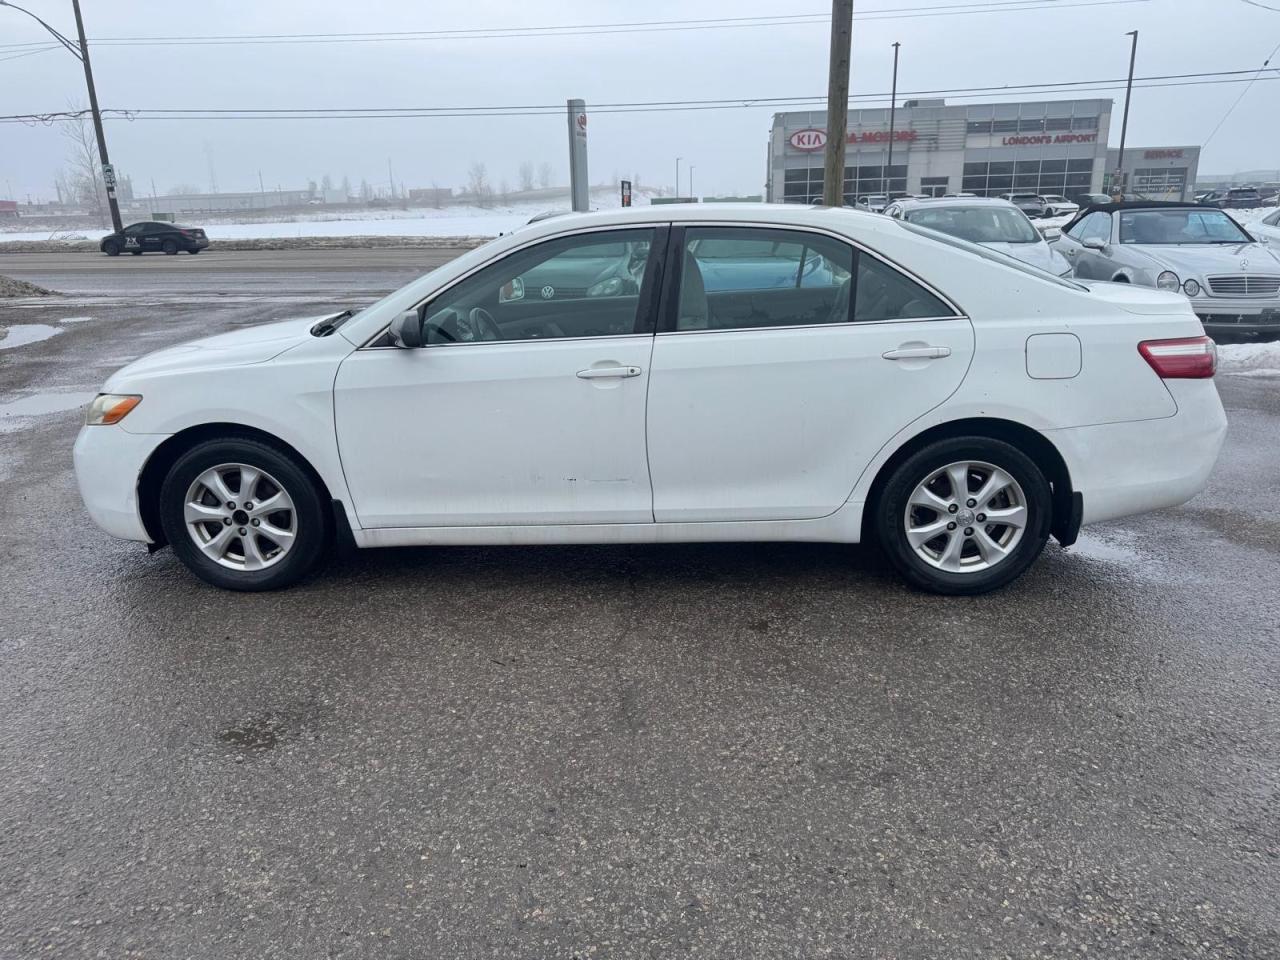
column 604, row 373
column 917, row 353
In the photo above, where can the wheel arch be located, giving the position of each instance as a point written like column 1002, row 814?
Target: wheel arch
column 166, row 455
column 1065, row 505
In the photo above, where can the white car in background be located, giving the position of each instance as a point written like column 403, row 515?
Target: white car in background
column 1059, row 206
column 996, row 224
column 943, row 400
column 1268, row 226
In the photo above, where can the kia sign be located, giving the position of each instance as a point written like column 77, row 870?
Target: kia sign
column 813, row 139
column 809, row 140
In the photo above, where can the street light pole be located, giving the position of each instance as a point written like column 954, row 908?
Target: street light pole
column 893, row 105
column 691, row 194
column 677, row 186
column 837, row 102
column 81, row 52
column 1118, row 182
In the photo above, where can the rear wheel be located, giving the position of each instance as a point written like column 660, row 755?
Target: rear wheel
column 243, row 515
column 111, row 248
column 170, row 247
column 964, row 516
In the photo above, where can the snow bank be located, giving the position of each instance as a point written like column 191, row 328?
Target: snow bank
column 1249, row 359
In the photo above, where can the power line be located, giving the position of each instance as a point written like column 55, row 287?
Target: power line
column 642, row 26
column 1262, row 6
column 1236, row 103
column 515, row 110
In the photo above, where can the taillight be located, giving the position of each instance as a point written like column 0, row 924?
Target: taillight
column 1187, row 358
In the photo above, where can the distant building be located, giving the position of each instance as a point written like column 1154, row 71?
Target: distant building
column 8, row 209
column 194, row 203
column 1157, row 173
column 430, row 195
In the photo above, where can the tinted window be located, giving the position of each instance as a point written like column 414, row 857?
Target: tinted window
column 882, row 293
column 582, row 286
column 742, row 277
column 1179, row 226
column 1096, row 224
column 980, row 224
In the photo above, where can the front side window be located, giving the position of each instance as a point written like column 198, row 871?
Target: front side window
column 581, row 286
column 1173, row 227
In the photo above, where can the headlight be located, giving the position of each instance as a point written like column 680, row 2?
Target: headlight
column 108, row 408
column 1191, row 288
column 1168, row 281
column 605, row 288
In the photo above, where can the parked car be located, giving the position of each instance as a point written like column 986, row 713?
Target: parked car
column 154, row 235
column 1242, row 198
column 949, row 402
column 1092, row 199
column 1268, row 227
column 1231, row 280
column 1059, row 206
column 996, row 224
column 1033, row 205
column 875, row 202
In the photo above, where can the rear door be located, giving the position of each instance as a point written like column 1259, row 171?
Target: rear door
column 784, row 361
column 153, row 235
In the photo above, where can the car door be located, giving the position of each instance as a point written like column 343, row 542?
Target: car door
column 133, row 236
column 767, row 400
column 1086, row 263
column 153, row 235
column 527, row 404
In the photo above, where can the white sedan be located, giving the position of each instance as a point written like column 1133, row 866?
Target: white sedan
column 670, row 374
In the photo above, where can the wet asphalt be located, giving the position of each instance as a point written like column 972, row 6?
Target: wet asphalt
column 700, row 750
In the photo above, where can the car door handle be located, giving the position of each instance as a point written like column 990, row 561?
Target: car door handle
column 604, row 373
column 917, row 353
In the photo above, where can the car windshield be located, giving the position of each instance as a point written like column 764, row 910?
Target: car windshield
column 1176, row 227
column 987, row 254
column 993, row 224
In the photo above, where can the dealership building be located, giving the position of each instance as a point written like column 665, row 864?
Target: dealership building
column 1044, row 147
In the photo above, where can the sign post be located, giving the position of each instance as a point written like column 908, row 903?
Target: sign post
column 578, row 182
column 626, row 193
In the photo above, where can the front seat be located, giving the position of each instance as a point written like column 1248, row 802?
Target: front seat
column 694, row 314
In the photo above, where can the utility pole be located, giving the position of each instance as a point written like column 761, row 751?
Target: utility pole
column 392, row 178
column 691, row 193
column 837, row 102
column 1117, row 185
column 262, row 190
column 108, row 178
column 893, row 106
column 677, row 188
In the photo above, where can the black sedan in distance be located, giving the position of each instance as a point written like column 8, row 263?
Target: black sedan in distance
column 139, row 238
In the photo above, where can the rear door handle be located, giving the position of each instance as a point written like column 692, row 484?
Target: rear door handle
column 604, row 373
column 917, row 353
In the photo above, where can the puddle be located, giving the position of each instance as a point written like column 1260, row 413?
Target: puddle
column 1092, row 547
column 75, row 319
column 15, row 414
column 21, row 334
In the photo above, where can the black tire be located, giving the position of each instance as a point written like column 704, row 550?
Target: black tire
column 193, row 251
column 170, row 247
column 310, row 524
column 111, row 248
column 136, row 253
column 890, row 513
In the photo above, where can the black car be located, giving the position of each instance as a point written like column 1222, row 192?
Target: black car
column 1033, row 205
column 138, row 238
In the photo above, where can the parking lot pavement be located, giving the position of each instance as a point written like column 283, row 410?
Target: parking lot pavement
column 724, row 750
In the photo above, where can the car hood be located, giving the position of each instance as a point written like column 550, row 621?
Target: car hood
column 255, row 344
column 1196, row 260
column 1036, row 254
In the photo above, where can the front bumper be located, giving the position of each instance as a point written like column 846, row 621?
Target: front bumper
column 108, row 462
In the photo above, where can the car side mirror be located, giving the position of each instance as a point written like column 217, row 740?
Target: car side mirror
column 1093, row 243
column 1052, row 233
column 406, row 330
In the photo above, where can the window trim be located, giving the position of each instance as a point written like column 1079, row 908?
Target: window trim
column 670, row 307
column 647, row 301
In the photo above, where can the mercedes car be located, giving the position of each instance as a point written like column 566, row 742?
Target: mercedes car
column 1231, row 278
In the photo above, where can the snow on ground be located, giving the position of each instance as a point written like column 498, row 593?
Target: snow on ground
column 1249, row 359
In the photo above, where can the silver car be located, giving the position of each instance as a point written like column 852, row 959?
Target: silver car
column 996, row 224
column 1231, row 278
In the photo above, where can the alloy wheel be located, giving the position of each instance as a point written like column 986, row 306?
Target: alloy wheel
column 966, row 517
column 240, row 517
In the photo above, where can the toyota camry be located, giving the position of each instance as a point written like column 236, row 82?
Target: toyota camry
column 946, row 401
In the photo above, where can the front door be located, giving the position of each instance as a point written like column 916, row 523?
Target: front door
column 527, row 406
column 787, row 360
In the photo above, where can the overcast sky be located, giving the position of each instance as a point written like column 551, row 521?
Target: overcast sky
column 726, row 146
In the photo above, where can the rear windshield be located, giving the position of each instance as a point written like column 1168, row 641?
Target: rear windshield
column 978, row 224
column 988, row 254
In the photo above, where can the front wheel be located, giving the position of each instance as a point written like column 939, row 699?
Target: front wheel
column 243, row 515
column 193, row 251
column 111, row 248
column 964, row 516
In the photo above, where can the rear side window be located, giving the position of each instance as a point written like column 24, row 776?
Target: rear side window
column 735, row 278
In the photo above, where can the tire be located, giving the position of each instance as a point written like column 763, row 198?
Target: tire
column 170, row 247
column 989, row 555
column 262, row 558
column 193, row 251
column 136, row 253
column 111, row 248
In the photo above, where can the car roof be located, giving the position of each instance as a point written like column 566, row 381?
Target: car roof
column 1112, row 206
column 782, row 214
column 932, row 202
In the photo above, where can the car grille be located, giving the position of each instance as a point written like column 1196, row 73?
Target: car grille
column 1244, row 285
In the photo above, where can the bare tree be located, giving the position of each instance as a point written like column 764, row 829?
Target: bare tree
column 326, row 183
column 366, row 191
column 478, row 183
column 526, row 175
column 346, row 188
column 435, row 195
column 504, row 193
column 83, row 177
column 182, row 190
column 544, row 175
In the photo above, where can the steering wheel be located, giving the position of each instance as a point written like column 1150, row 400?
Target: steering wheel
column 484, row 325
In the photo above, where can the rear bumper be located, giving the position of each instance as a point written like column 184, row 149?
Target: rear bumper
column 108, row 462
column 1223, row 314
column 1122, row 469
